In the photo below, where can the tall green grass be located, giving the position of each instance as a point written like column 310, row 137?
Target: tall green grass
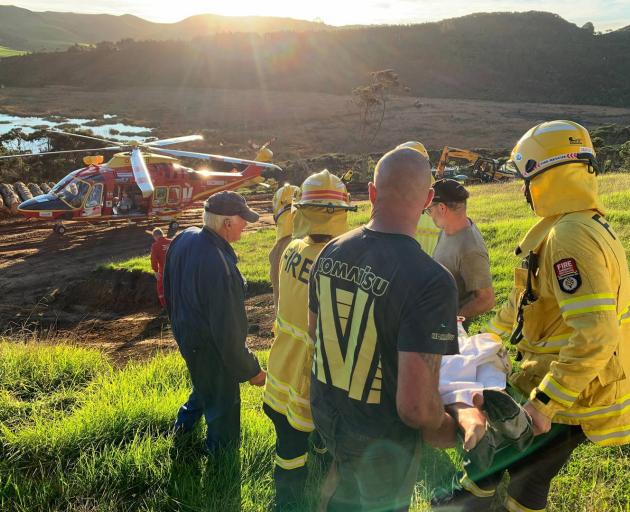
column 135, row 264
column 110, row 448
column 9, row 52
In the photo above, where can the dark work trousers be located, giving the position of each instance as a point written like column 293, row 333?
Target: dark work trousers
column 216, row 396
column 289, row 471
column 530, row 476
column 367, row 474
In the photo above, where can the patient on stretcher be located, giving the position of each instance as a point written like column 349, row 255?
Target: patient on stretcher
column 472, row 386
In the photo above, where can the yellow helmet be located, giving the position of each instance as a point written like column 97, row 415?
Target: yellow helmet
column 326, row 190
column 283, row 199
column 418, row 146
column 549, row 145
column 264, row 155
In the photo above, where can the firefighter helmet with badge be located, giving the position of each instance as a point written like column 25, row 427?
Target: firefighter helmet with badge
column 551, row 144
column 324, row 189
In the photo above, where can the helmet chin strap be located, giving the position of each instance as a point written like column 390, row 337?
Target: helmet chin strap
column 528, row 195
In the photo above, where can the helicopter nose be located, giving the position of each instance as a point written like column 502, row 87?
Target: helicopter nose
column 31, row 204
column 43, row 202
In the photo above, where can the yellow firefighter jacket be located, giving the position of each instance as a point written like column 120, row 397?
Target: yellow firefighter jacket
column 427, row 234
column 289, row 367
column 283, row 216
column 287, row 389
column 575, row 344
column 274, row 266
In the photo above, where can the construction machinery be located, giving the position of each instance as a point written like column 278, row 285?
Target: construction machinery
column 477, row 168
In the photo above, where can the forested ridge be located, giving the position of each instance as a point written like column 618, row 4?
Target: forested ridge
column 533, row 56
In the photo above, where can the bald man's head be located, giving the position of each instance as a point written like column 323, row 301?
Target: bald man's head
column 402, row 177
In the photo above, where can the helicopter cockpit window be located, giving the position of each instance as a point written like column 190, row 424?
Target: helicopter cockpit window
column 74, row 192
column 159, row 197
column 61, row 184
column 96, row 196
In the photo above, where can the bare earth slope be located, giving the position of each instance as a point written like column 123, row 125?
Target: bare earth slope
column 305, row 124
column 47, row 280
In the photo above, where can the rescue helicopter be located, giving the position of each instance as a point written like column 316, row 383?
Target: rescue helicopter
column 143, row 181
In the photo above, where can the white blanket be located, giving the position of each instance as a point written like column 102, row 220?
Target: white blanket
column 482, row 363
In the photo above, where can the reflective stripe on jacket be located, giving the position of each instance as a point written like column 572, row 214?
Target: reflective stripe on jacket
column 576, row 334
column 287, row 388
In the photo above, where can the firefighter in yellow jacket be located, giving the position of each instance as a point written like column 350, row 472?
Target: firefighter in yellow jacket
column 427, row 233
column 568, row 313
column 320, row 215
column 283, row 217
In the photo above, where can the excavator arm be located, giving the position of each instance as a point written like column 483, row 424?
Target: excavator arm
column 482, row 169
column 449, row 152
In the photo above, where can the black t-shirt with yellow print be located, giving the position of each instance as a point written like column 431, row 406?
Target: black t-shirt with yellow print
column 375, row 294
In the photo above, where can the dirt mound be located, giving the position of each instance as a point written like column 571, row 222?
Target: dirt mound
column 117, row 291
column 118, row 312
column 48, row 285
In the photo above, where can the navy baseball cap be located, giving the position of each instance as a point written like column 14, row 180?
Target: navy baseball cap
column 449, row 191
column 230, row 203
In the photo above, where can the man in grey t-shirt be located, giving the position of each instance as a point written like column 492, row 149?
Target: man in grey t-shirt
column 461, row 249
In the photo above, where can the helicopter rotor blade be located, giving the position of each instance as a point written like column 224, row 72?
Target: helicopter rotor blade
column 87, row 137
column 219, row 174
column 141, row 173
column 113, row 148
column 173, row 140
column 216, row 158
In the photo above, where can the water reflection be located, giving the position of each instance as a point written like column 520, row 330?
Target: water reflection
column 109, row 130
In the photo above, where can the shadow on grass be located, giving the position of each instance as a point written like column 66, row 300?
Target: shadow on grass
column 200, row 482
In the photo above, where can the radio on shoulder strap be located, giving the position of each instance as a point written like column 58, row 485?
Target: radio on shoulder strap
column 528, row 297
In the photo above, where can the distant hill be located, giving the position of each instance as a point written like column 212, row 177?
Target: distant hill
column 34, row 31
column 533, row 56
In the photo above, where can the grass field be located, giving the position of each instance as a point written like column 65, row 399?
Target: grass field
column 8, row 52
column 79, row 434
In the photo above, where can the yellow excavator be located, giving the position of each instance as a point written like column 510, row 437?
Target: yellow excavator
column 481, row 169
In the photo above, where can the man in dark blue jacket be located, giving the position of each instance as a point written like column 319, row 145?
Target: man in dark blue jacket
column 205, row 301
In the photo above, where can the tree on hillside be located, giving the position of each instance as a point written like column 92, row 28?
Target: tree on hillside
column 624, row 153
column 372, row 101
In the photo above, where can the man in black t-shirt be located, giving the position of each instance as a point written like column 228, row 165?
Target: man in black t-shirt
column 382, row 313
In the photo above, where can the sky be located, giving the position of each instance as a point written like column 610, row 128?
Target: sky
column 604, row 14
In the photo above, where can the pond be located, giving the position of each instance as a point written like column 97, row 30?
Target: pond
column 107, row 128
